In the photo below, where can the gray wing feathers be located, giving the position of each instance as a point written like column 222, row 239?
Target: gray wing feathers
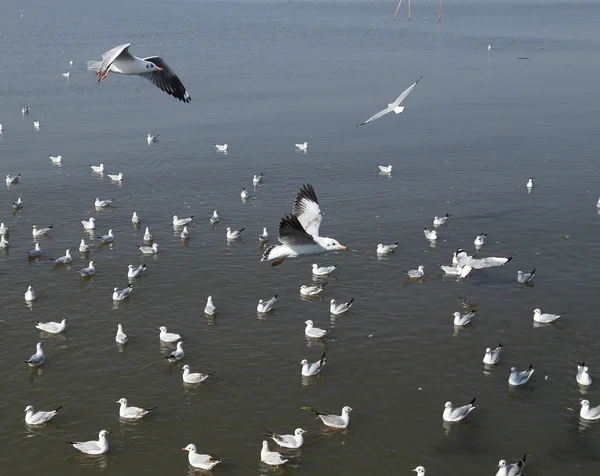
column 110, row 56
column 291, row 232
column 167, row 80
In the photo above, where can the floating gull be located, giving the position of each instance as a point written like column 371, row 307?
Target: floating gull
column 335, row 421
column 492, row 357
column 215, row 217
column 513, row 469
column 148, row 250
column 430, row 234
column 133, row 272
column 132, row 413
column 271, row 458
column 194, row 378
column 461, row 258
column 150, row 138
column 135, row 219
column 394, row 106
column 264, row 237
column 463, row 319
column 257, row 179
column 181, row 221
column 3, row 229
column 234, row 234
column 93, row 447
column 299, row 232
column 337, row 309
column 38, row 358
column 103, row 203
column 18, row 205
column 177, row 354
column 55, row 159
column 530, row 183
column 386, row 169
column 121, row 337
column 10, row 180
column 108, row 238
column 416, row 273
column 117, row 178
column 66, row 75
column 315, row 332
column 147, row 235
column 322, row 270
column 462, row 271
column 199, row 461
column 439, row 221
column 25, row 110
column 3, row 242
column 545, row 318
column 39, row 418
column 71, row 63
column 119, row 295
column 66, row 259
column 583, row 375
column 210, row 308
column 587, row 412
column 36, row 252
column 525, row 278
column 168, row 337
column 244, row 194
column 312, row 290
column 308, row 369
column 89, row 271
column 454, row 414
column 154, row 68
column 37, row 232
column 480, row 239
column 266, row 306
column 221, row 147
column 303, row 146
column 30, row 294
column 36, row 124
column 83, row 247
column 386, row 249
column 52, row 327
column 489, row 47
column 185, row 234
column 89, row 224
column 520, row 377
column 97, row 168
column 294, row 441
column 420, row 470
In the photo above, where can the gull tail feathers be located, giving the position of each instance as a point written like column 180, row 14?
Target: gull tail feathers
column 94, row 65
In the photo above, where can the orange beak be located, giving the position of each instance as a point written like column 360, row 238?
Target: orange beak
column 342, row 247
column 158, row 68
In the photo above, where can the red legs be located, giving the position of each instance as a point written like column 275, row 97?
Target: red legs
column 101, row 75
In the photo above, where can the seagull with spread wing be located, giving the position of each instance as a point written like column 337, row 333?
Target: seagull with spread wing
column 154, row 68
column 299, row 232
column 393, row 106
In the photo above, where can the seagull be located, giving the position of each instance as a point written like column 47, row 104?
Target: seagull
column 545, row 318
column 148, row 250
column 525, row 278
column 214, row 219
column 583, row 375
column 430, row 234
column 66, row 75
column 30, row 294
column 89, row 224
column 335, row 421
column 154, row 68
column 194, row 378
column 109, row 238
column 312, row 290
column 234, row 234
column 489, row 47
column 18, row 205
column 3, row 229
column 520, row 378
column 416, row 273
column 492, row 357
column 121, row 337
column 55, row 159
column 294, row 441
column 480, row 239
column 25, row 110
column 244, row 194
column 71, row 63
column 303, row 146
column 36, row 124
column 299, row 232
column 462, row 271
column 103, row 203
column 386, row 249
column 463, row 259
column 452, row 414
column 257, row 179
column 36, row 252
column 3, row 242
column 530, row 183
column 513, row 469
column 66, row 259
column 135, row 219
column 83, row 247
column 147, row 235
column 89, row 271
column 150, row 138
column 386, row 169
column 52, row 327
column 41, row 231
column 38, row 358
column 119, row 295
column 463, row 319
column 93, row 447
column 39, row 418
column 322, row 270
column 264, row 237
column 133, row 272
column 271, row 458
column 337, row 309
column 181, row 221
column 185, row 234
column 168, row 337
column 394, row 106
column 266, row 306
column 587, row 412
column 221, row 147
column 117, row 178
column 177, row 354
column 132, row 413
column 439, row 221
column 308, row 369
column 420, row 470
column 199, row 461
column 97, row 168
column 315, row 332
column 210, row 308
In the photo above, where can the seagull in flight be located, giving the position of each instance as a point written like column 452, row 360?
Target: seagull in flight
column 119, row 60
column 393, row 106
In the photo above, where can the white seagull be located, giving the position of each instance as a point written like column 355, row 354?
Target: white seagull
column 294, row 441
column 150, row 138
column 168, row 337
column 121, row 337
column 308, row 369
column 55, row 159
column 299, row 232
column 272, row 458
column 454, row 414
column 244, row 194
column 520, row 378
column 10, row 180
column 314, row 332
column 4, row 242
column 52, row 327
column 430, row 234
column 587, row 412
column 480, row 239
column 545, row 318
column 234, row 234
column 420, row 470
column 386, row 249
column 38, row 358
column 185, row 234
column 463, row 319
column 394, row 106
column 264, row 237
column 83, row 247
column 221, row 147
column 18, row 205
column 303, row 146
column 120, row 294
column 89, row 224
column 335, row 421
column 154, row 68
column 89, row 271
column 97, row 168
column 149, row 250
column 215, row 217
column 525, row 278
column 133, row 272
column 147, row 235
column 513, row 469
column 116, row 177
column 135, row 219
column 439, row 221
column 3, row 229
column 194, row 378
column 36, row 124
column 416, row 273
column 108, row 238
column 336, row 308
column 266, row 306
column 386, row 169
column 462, row 259
column 257, row 179
column 132, row 413
column 30, row 294
column 210, row 308
column 67, row 74
column 492, row 357
column 36, row 252
column 103, row 203
column 66, row 259
column 322, row 270
column 181, row 221
column 178, row 354
column 200, row 461
column 312, row 290
column 462, row 271
column 93, row 447
column 37, row 232
column 583, row 375
column 39, row 418
column 530, row 183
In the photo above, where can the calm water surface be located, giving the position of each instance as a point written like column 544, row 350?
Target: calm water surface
column 263, row 76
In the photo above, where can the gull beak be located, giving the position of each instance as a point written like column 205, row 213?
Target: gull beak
column 342, row 247
column 183, row 449
column 158, row 68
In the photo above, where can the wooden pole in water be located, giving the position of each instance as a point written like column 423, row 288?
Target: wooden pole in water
column 408, row 10
column 396, row 14
column 440, row 17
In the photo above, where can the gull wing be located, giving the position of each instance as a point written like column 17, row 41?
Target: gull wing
column 402, row 96
column 292, row 233
column 306, row 209
column 109, row 58
column 381, row 113
column 166, row 79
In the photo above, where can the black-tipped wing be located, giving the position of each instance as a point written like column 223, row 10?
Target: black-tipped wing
column 166, row 79
column 292, row 233
column 306, row 209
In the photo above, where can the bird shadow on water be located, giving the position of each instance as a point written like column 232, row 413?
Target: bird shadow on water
column 101, row 461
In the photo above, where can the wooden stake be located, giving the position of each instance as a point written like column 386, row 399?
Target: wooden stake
column 440, row 17
column 408, row 10
column 396, row 14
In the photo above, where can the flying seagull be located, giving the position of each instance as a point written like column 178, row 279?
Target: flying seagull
column 394, row 106
column 154, row 68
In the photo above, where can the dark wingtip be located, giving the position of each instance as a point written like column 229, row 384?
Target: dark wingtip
column 472, row 401
column 531, row 367
column 500, row 345
column 58, row 408
column 448, row 215
column 275, row 296
column 351, row 301
column 533, row 272
column 396, row 242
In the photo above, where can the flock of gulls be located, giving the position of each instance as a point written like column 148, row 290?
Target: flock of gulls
column 299, row 236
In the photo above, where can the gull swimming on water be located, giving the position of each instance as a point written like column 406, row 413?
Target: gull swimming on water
column 315, row 332
column 394, row 106
column 37, row 232
column 322, row 270
column 583, row 375
column 168, row 337
column 181, row 221
column 177, row 354
column 150, row 138
column 3, row 242
column 221, row 147
column 513, row 469
column 154, row 68
column 545, row 318
column 462, row 259
column 36, row 124
column 337, row 309
column 492, row 357
column 416, row 273
column 18, row 205
column 93, row 447
column 103, row 203
column 420, row 470
column 530, row 183
column 480, row 239
column 303, row 146
column 39, row 418
column 132, row 413
column 335, row 421
column 38, row 358
column 36, row 252
column 133, row 272
column 308, row 369
column 257, row 179
column 66, row 259
column 439, row 221
column 52, row 327
column 214, row 219
column 313, row 290
column 108, row 238
column 55, row 159
column 299, row 232
column 430, row 234
column 117, row 178
column 386, row 249
column 264, row 237
column 3, row 229
column 210, row 308
column 461, row 271
column 89, row 224
column 294, row 441
column 200, row 461
column 463, row 319
column 121, row 337
column 266, row 306
column 67, row 74
column 83, row 247
column 30, row 294
column 454, row 414
column 120, row 294
column 147, row 235
column 194, row 378
column 525, row 278
column 520, row 377
column 234, row 234
column 149, row 250
column 244, row 194
column 135, row 219
column 185, row 234
column 272, row 458
column 10, row 180
column 588, row 412
column 386, row 169
column 97, row 168
column 89, row 271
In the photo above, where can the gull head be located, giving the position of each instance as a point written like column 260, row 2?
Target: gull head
column 448, row 405
column 513, row 369
column 419, row 470
column 152, row 67
column 299, row 431
column 346, row 410
column 103, row 433
column 122, row 401
column 304, row 362
column 421, row 268
column 584, row 403
column 191, row 448
column 185, row 367
column 501, row 463
column 457, row 315
column 331, row 244
column 162, row 329
column 309, row 323
column 537, row 311
column 39, row 346
column 28, row 409
column 488, row 350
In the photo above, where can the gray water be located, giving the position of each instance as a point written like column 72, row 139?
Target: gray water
column 263, row 76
